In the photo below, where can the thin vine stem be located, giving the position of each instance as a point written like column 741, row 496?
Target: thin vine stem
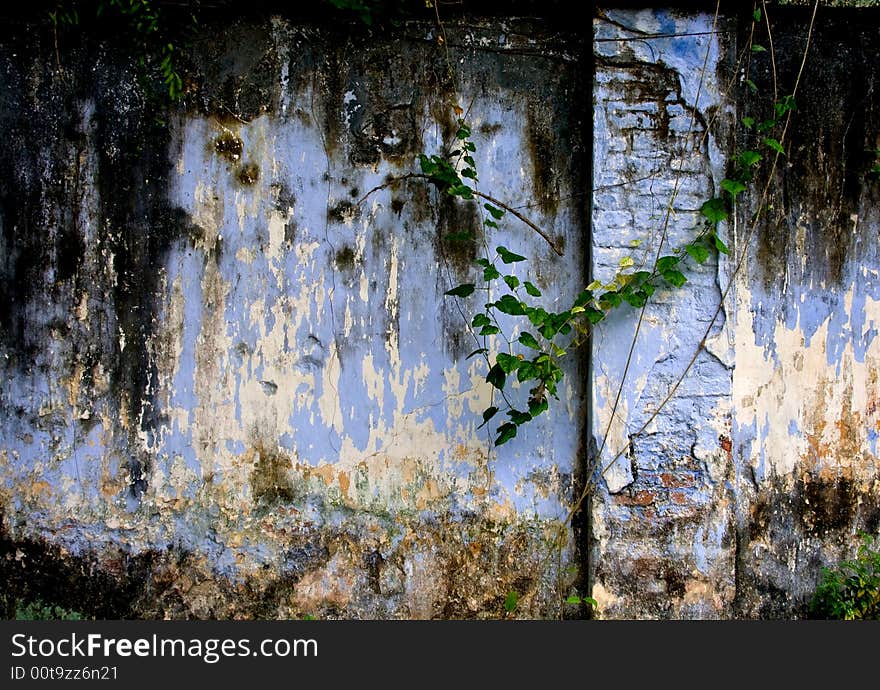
column 491, row 199
column 591, row 481
column 659, row 252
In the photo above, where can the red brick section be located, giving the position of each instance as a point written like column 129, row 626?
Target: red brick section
column 678, row 480
column 637, row 498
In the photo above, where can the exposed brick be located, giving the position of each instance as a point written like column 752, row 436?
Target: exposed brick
column 637, row 498
column 679, row 497
column 676, row 480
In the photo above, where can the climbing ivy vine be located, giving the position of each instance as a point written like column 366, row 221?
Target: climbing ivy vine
column 533, row 357
column 519, row 337
column 150, row 28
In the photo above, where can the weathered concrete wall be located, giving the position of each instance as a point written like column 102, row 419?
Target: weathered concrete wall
column 763, row 466
column 805, row 388
column 663, row 525
column 226, row 381
column 231, row 389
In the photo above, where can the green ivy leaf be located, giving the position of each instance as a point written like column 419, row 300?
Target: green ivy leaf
column 508, row 363
column 531, row 289
column 427, row 165
column 496, row 377
column 714, row 210
column 636, row 299
column 508, row 256
column 527, row 370
column 753, row 87
column 536, row 315
column 594, row 315
column 756, row 48
column 536, row 407
column 462, row 190
column 519, row 418
column 766, row 126
column 510, row 601
column 481, row 320
column 674, row 277
column 756, row 15
column 749, row 158
column 512, row 282
column 785, row 105
column 529, row 340
column 733, row 187
column 697, row 252
column 555, row 323
column 496, row 212
column 488, row 413
column 666, row 263
column 462, row 290
column 775, row 145
column 573, row 599
column 489, row 330
column 719, row 245
column 610, row 300
column 490, row 273
column 748, row 122
column 509, row 304
column 463, row 132
column 506, row 432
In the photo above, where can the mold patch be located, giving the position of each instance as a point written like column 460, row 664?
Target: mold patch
column 271, row 479
column 248, row 174
column 229, row 147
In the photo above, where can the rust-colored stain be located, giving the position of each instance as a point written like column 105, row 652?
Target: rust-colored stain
column 344, row 483
column 636, row 498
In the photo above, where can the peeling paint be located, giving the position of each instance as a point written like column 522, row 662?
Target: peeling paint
column 292, row 416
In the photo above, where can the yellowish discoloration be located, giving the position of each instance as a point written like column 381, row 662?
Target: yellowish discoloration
column 244, row 436
column 604, row 599
column 213, row 386
column 328, row 403
column 830, row 403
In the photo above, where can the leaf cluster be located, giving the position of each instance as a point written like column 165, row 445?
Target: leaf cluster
column 851, row 589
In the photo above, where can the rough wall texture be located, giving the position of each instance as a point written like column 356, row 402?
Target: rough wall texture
column 805, row 383
column 236, row 389
column 763, row 466
column 663, row 527
column 231, row 388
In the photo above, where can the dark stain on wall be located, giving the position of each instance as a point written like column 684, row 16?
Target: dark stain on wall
column 271, row 479
column 229, row 147
column 810, row 524
column 248, row 174
column 542, row 153
column 343, row 212
column 53, row 154
column 457, row 253
column 33, row 570
column 234, row 69
column 822, row 183
column 345, row 258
